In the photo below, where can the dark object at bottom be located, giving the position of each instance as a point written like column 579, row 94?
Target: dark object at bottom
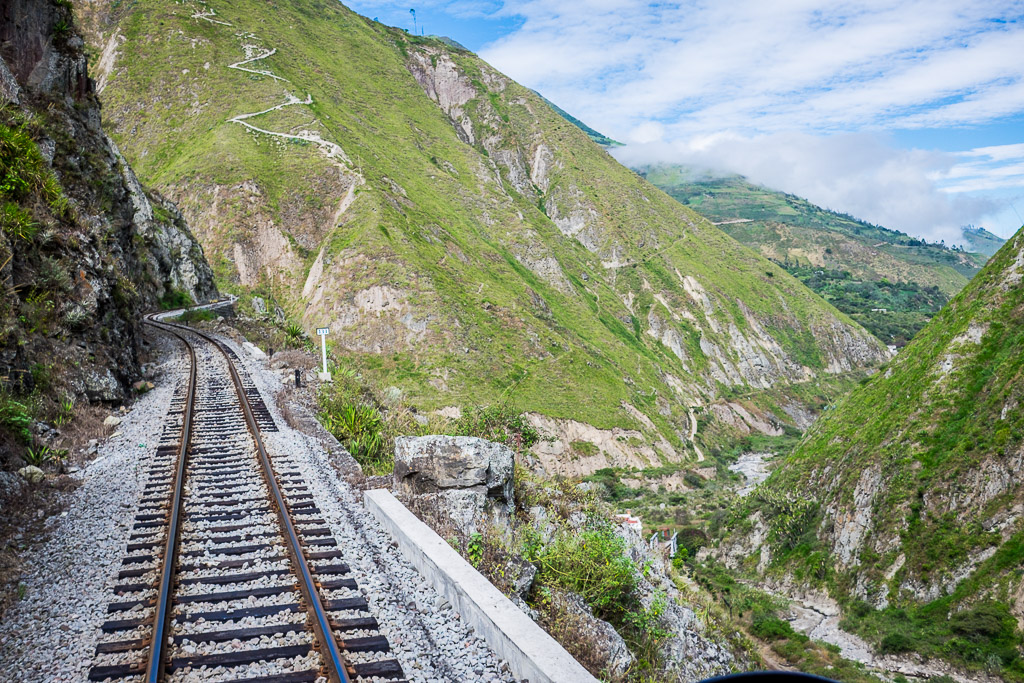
column 769, row 677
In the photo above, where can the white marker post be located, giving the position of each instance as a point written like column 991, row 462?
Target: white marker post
column 322, row 332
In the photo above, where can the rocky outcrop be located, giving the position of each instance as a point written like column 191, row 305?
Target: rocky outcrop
column 691, row 651
column 178, row 257
column 467, row 477
column 94, row 250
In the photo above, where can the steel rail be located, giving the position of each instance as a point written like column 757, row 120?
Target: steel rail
column 162, row 616
column 326, row 643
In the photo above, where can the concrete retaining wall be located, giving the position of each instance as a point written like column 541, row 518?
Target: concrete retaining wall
column 530, row 652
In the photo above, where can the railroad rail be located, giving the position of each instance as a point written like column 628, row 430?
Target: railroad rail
column 230, row 572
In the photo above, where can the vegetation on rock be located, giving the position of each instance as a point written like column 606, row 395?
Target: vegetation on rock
column 920, row 530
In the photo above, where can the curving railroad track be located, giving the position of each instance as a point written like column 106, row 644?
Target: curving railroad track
column 230, row 573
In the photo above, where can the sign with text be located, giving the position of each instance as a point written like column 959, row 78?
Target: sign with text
column 323, row 331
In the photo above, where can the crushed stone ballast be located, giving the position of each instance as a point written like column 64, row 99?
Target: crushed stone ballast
column 230, row 572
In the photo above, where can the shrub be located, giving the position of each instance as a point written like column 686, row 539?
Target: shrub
column 594, row 564
column 691, row 539
column 502, row 423
column 17, row 222
column 769, row 627
column 897, row 642
column 985, row 621
column 616, row 489
column 44, row 454
column 584, row 449
column 24, row 172
column 294, row 334
column 16, row 418
column 192, row 315
column 361, row 429
column 175, row 298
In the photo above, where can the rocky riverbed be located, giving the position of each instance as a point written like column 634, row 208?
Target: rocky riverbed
column 754, row 467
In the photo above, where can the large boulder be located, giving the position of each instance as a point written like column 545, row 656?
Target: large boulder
column 427, row 464
column 464, row 476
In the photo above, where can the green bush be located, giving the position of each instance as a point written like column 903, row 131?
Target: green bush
column 16, row 418
column 192, row 315
column 594, row 564
column 985, row 621
column 617, row 491
column 294, row 334
column 362, row 430
column 175, row 298
column 897, row 642
column 691, row 539
column 24, row 172
column 17, row 222
column 770, row 628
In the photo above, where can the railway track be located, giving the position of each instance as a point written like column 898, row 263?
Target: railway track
column 230, row 573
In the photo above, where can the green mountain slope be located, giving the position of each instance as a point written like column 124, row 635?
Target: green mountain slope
column 918, row 481
column 886, row 280
column 464, row 242
column 982, row 241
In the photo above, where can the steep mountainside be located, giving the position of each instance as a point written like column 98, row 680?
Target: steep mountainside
column 83, row 249
column 886, row 280
column 464, row 242
column 915, row 482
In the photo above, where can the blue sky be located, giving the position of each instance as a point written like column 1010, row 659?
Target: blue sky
column 906, row 114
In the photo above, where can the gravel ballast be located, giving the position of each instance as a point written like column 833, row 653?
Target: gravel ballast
column 50, row 634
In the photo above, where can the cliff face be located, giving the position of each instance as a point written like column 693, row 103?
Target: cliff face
column 84, row 249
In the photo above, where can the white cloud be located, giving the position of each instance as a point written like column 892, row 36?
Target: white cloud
column 983, row 169
column 751, row 66
column 859, row 174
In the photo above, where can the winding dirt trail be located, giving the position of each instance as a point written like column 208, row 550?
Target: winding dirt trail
column 255, row 53
column 241, row 65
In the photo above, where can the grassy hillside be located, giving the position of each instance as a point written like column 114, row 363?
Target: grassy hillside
column 858, row 267
column 464, row 242
column 917, row 507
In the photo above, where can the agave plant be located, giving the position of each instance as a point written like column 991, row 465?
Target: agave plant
column 294, row 332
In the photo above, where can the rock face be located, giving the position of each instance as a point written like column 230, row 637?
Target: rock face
column 87, row 249
column 466, row 475
column 691, row 652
